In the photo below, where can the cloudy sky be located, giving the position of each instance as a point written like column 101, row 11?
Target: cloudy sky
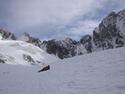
column 55, row 18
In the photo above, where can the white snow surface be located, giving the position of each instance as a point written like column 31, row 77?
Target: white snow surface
column 12, row 52
column 97, row 73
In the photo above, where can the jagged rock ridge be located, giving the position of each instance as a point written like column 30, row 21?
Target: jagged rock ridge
column 7, row 35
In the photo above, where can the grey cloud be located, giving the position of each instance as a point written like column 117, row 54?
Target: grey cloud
column 51, row 18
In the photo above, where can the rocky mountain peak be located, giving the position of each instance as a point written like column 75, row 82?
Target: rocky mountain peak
column 110, row 31
column 28, row 38
column 7, row 35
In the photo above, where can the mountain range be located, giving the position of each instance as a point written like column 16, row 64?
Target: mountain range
column 108, row 35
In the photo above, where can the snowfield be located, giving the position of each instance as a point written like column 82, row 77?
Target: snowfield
column 19, row 52
column 97, row 73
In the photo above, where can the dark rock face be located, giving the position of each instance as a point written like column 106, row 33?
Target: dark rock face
column 68, row 48
column 3, row 58
column 7, row 35
column 28, row 58
column 61, row 48
column 32, row 40
column 2, row 61
column 87, row 42
column 107, row 35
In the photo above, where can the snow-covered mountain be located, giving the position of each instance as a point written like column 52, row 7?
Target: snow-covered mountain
column 5, row 35
column 19, row 52
column 68, row 47
column 108, row 35
column 28, row 38
column 111, row 31
column 97, row 73
column 62, row 48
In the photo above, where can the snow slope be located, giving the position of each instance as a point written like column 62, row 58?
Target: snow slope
column 19, row 52
column 97, row 73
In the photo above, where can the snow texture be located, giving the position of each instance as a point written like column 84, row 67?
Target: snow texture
column 19, row 52
column 97, row 73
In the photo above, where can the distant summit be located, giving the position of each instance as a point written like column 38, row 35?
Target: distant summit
column 28, row 38
column 7, row 35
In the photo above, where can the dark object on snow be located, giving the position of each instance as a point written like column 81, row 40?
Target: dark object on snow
column 2, row 61
column 45, row 68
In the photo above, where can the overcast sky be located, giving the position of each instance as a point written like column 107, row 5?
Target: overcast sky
column 55, row 18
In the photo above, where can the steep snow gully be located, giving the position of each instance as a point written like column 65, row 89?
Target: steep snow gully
column 97, row 73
